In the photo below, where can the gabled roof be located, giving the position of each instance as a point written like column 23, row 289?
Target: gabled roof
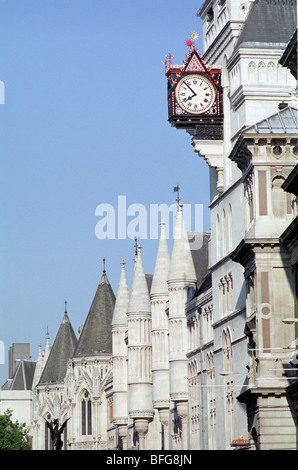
column 96, row 336
column 269, row 22
column 139, row 300
column 284, row 121
column 62, row 349
column 162, row 266
column 121, row 304
column 181, row 265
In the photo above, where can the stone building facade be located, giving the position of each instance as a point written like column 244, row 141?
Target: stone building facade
column 198, row 355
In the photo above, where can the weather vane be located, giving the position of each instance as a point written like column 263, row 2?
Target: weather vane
column 176, row 190
column 136, row 245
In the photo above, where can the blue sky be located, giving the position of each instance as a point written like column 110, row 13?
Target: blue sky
column 84, row 121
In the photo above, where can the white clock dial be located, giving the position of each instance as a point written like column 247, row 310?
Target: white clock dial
column 195, row 94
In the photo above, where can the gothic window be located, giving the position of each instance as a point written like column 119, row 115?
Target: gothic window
column 229, row 412
column 261, row 72
column 47, row 435
column 249, row 201
column 207, row 323
column 211, row 402
column 271, row 71
column 110, row 412
column 86, row 414
column 226, row 294
column 251, row 307
column 229, row 394
column 227, row 351
column 252, row 71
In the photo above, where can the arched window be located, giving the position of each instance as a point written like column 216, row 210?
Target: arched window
column 271, row 72
column 86, row 414
column 252, row 71
column 261, row 72
column 229, row 392
column 47, row 434
column 227, row 351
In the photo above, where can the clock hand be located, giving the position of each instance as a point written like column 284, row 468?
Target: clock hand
column 194, row 94
column 191, row 97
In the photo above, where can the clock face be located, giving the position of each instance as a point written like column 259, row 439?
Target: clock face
column 195, row 94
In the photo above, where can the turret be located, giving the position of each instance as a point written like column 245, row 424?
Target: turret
column 181, row 284
column 140, row 406
column 160, row 346
column 119, row 329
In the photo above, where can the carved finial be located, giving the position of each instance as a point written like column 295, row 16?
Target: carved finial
column 65, row 303
column 168, row 62
column 104, row 265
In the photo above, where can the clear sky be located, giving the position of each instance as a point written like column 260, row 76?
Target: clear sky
column 84, row 122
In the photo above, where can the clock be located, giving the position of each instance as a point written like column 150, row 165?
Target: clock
column 195, row 94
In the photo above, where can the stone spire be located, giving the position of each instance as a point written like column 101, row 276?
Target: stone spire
column 139, row 300
column 62, row 349
column 162, row 265
column 182, row 284
column 122, row 300
column 119, row 331
column 181, row 266
column 160, row 345
column 41, row 360
column 96, row 335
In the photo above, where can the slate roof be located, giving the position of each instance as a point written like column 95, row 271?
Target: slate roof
column 269, row 22
column 199, row 250
column 62, row 349
column 23, row 376
column 284, row 121
column 96, row 335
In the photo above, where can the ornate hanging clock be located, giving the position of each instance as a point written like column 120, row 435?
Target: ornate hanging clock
column 195, row 96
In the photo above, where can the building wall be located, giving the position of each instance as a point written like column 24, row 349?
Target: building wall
column 19, row 401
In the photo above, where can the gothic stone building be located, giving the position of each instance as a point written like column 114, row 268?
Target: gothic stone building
column 199, row 356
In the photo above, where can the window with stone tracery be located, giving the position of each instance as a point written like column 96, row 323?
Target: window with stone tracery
column 229, row 386
column 226, row 294
column 211, row 401
column 249, row 195
column 86, row 411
